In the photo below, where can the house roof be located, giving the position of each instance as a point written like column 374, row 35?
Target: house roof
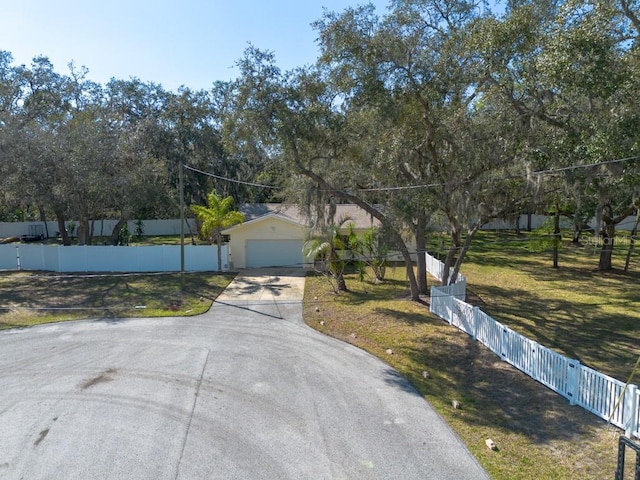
column 257, row 211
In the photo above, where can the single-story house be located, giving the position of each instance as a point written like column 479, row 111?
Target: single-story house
column 273, row 234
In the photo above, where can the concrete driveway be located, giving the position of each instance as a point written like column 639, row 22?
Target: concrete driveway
column 246, row 391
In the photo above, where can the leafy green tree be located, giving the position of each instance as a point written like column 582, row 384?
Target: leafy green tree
column 567, row 69
column 215, row 217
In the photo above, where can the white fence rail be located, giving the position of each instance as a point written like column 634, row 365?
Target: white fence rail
column 598, row 393
column 435, row 268
column 162, row 258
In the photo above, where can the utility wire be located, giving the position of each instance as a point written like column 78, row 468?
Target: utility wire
column 231, row 179
column 550, row 171
column 575, row 167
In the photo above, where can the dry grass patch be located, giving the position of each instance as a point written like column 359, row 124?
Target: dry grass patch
column 29, row 298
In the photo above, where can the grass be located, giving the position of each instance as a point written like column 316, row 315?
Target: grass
column 538, row 434
column 28, row 298
column 583, row 313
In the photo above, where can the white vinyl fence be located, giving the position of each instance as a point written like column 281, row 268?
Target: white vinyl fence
column 598, row 393
column 100, row 227
column 90, row 258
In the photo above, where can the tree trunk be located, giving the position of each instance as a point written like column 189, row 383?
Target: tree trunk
column 632, row 241
column 465, row 248
column 336, row 269
column 556, row 236
column 421, row 242
column 608, row 238
column 576, row 234
column 66, row 241
column 43, row 219
column 609, row 234
column 342, row 285
column 219, row 251
column 115, row 233
column 451, row 256
column 84, row 232
column 529, row 215
column 606, row 253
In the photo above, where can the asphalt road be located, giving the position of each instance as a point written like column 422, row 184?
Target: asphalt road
column 246, row 391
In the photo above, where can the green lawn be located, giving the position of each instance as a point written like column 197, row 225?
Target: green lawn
column 585, row 314
column 539, row 435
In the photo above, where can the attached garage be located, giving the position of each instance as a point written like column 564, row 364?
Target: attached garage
column 273, row 253
column 270, row 240
column 272, row 235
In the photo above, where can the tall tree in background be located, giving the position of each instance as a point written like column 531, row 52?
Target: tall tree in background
column 417, row 70
column 567, row 69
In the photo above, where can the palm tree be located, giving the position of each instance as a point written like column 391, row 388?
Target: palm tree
column 326, row 244
column 215, row 217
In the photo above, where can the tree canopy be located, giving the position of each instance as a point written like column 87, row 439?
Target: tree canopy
column 435, row 114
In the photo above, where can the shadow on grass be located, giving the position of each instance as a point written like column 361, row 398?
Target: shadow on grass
column 494, row 394
column 37, row 294
column 408, row 318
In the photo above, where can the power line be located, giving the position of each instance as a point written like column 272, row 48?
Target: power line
column 574, row 167
column 427, row 185
column 231, row 179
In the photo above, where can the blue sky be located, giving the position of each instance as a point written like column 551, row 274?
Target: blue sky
column 172, row 42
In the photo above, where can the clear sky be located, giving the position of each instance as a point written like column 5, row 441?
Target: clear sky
column 172, row 42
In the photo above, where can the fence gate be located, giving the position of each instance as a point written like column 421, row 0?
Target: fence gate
column 622, row 446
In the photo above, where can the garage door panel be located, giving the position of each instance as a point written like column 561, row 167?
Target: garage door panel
column 274, row 253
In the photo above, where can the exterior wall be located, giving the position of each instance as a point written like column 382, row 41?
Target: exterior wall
column 103, row 227
column 271, row 228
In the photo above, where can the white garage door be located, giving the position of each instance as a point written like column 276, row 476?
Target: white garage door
column 274, row 253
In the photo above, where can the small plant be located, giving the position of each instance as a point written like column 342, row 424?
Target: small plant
column 544, row 238
column 124, row 237
column 139, row 229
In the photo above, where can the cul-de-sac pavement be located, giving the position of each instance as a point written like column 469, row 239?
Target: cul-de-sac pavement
column 246, row 391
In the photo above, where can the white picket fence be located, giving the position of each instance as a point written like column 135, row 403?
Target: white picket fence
column 91, row 258
column 598, row 393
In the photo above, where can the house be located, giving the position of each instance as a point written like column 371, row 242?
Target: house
column 273, row 234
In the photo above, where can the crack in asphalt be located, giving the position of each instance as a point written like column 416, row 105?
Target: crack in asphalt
column 193, row 408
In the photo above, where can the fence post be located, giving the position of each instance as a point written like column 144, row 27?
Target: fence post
column 573, row 377
column 630, row 411
column 474, row 323
column 534, row 360
column 504, row 342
